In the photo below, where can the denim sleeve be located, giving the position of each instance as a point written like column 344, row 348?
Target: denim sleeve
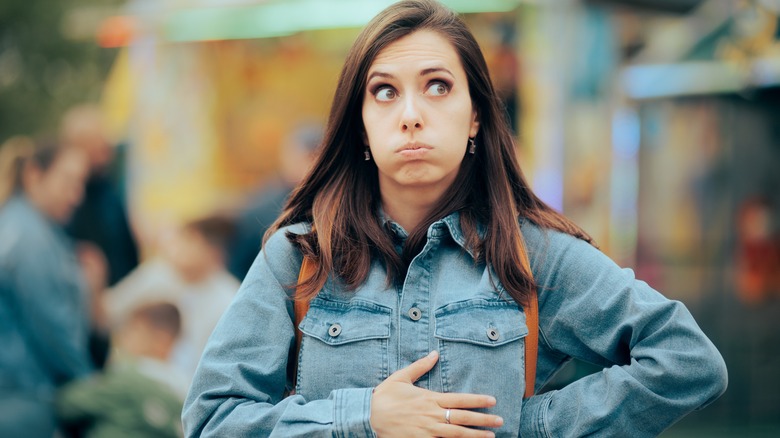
column 657, row 363
column 239, row 384
column 52, row 305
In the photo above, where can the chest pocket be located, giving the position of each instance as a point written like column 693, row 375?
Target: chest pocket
column 481, row 343
column 345, row 345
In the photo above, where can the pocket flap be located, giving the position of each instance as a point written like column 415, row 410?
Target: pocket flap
column 482, row 322
column 336, row 322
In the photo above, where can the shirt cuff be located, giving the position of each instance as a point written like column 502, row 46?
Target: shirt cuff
column 352, row 412
column 533, row 422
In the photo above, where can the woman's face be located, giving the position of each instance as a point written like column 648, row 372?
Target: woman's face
column 58, row 190
column 191, row 255
column 417, row 114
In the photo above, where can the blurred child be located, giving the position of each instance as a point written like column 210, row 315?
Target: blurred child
column 192, row 272
column 138, row 394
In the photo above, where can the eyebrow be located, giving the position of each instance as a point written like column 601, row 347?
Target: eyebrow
column 423, row 72
column 428, row 71
column 379, row 74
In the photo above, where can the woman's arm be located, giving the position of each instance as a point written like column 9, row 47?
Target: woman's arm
column 658, row 364
column 239, row 386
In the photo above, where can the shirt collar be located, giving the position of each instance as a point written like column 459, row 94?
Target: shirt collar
column 449, row 225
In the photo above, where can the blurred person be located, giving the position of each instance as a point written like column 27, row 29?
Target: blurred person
column 44, row 304
column 101, row 219
column 757, row 264
column 139, row 394
column 417, row 252
column 191, row 273
column 296, row 156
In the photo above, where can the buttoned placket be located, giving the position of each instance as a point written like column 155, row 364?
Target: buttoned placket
column 415, row 306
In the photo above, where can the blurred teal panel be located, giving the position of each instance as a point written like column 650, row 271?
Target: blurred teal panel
column 277, row 18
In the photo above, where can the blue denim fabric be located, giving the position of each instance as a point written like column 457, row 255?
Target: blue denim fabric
column 44, row 317
column 658, row 365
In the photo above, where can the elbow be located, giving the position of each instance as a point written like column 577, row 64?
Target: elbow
column 695, row 379
column 717, row 378
column 706, row 379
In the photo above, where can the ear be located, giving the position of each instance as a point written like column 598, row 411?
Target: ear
column 474, row 124
column 364, row 136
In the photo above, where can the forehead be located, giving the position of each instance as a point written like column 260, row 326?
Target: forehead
column 420, row 49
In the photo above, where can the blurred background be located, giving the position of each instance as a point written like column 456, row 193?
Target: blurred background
column 654, row 124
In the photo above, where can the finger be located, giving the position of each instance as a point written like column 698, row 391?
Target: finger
column 464, row 401
column 417, row 369
column 453, row 430
column 470, row 418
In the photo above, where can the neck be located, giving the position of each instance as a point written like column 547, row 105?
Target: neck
column 408, row 207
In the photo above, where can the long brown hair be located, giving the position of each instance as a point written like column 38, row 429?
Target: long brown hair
column 340, row 195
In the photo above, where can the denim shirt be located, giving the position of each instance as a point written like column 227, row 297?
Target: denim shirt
column 658, row 365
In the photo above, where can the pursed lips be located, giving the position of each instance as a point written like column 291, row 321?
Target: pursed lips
column 413, row 147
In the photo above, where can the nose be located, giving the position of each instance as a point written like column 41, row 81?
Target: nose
column 411, row 119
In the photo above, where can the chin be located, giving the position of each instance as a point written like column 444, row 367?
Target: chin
column 422, row 180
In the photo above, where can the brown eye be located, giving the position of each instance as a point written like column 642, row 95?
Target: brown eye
column 385, row 94
column 438, row 89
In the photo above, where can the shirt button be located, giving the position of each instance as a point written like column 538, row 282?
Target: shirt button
column 415, row 314
column 334, row 330
column 492, row 334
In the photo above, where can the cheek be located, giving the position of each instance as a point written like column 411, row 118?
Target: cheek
column 68, row 191
column 371, row 124
column 460, row 113
column 54, row 189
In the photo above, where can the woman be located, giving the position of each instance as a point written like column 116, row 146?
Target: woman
column 422, row 228
column 44, row 313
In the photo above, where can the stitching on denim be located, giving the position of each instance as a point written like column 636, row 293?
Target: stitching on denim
column 543, row 415
column 543, row 337
column 367, row 408
column 337, row 421
column 444, row 370
column 300, row 369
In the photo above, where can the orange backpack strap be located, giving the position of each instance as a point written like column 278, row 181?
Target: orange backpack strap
column 531, row 310
column 531, row 343
column 308, row 267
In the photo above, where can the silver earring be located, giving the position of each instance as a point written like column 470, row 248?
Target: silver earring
column 367, row 154
column 472, row 146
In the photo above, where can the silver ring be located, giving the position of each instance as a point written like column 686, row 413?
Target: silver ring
column 447, row 416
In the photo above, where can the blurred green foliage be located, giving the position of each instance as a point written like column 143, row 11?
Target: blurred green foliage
column 49, row 60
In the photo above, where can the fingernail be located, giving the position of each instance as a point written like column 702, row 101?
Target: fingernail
column 433, row 353
column 491, row 400
column 499, row 421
